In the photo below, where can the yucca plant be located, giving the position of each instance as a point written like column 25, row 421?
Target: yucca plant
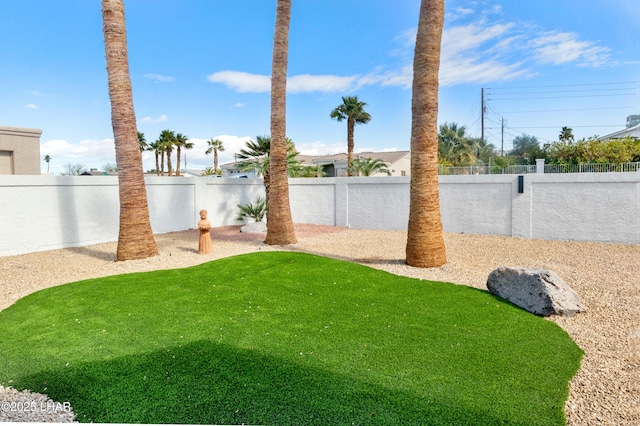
column 255, row 211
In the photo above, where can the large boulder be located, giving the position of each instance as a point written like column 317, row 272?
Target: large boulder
column 538, row 291
column 254, row 227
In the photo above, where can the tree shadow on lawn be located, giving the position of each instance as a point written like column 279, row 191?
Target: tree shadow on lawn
column 209, row 383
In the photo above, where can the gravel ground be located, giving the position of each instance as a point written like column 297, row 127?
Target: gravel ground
column 606, row 390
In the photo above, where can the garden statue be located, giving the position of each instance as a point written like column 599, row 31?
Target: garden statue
column 205, row 246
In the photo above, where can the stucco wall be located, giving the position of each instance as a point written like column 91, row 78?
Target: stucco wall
column 48, row 212
column 24, row 144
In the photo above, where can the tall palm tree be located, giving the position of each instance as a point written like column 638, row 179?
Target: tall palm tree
column 368, row 166
column 215, row 146
column 135, row 238
column 167, row 141
column 181, row 142
column 351, row 109
column 47, row 158
column 425, row 240
column 279, row 223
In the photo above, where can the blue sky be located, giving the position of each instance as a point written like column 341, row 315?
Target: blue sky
column 202, row 67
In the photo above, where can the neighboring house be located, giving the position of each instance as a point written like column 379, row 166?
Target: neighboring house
column 398, row 163
column 634, row 132
column 96, row 172
column 232, row 170
column 19, row 151
column 632, row 129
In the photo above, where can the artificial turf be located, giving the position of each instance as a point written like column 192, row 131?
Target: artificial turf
column 286, row 338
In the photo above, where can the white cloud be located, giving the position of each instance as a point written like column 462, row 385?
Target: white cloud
column 37, row 93
column 90, row 153
column 159, row 78
column 242, row 81
column 149, row 119
column 478, row 52
column 239, row 105
column 321, row 148
column 561, row 48
column 31, row 106
column 319, row 83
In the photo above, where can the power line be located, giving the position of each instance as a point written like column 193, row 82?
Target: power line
column 562, row 97
column 562, row 85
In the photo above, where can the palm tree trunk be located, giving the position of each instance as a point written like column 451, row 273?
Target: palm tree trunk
column 279, row 223
column 135, row 239
column 157, row 164
column 350, row 128
column 169, row 165
column 162, row 163
column 425, row 240
column 215, row 160
column 178, row 160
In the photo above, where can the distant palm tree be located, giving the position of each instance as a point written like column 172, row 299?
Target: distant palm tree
column 167, row 141
column 215, row 146
column 351, row 109
column 142, row 142
column 425, row 239
column 156, row 148
column 566, row 135
column 368, row 167
column 181, row 142
column 209, row 171
column 135, row 238
column 47, row 158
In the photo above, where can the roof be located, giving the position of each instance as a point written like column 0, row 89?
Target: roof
column 634, row 132
column 388, row 157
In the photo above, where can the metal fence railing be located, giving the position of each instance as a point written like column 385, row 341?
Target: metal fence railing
column 485, row 169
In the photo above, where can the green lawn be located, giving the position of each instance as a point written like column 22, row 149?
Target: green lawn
column 286, row 338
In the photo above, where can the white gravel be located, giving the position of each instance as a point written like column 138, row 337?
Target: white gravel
column 606, row 390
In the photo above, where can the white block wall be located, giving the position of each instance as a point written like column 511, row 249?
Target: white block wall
column 48, row 212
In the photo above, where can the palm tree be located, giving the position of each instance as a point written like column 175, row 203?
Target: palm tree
column 167, row 141
column 455, row 148
column 142, row 142
column 425, row 240
column 209, row 171
column 181, row 141
column 566, row 135
column 156, row 147
column 279, row 223
column 47, row 158
column 135, row 238
column 215, row 146
column 353, row 110
column 257, row 157
column 368, row 166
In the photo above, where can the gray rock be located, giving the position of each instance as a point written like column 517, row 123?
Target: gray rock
column 254, row 227
column 538, row 291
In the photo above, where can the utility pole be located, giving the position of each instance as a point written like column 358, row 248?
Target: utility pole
column 502, row 140
column 482, row 110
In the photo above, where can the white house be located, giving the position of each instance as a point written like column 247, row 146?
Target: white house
column 634, row 132
column 335, row 165
column 632, row 129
